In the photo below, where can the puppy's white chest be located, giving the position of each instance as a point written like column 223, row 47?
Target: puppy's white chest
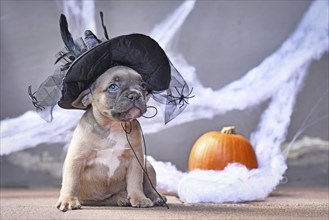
column 113, row 157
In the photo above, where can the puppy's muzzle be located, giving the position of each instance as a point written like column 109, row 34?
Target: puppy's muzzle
column 134, row 96
column 130, row 105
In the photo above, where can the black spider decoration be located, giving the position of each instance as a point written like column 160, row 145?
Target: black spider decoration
column 35, row 102
column 181, row 98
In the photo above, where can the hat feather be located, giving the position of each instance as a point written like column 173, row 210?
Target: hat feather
column 67, row 37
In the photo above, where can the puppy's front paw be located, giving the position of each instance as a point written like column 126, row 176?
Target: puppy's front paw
column 141, row 202
column 68, row 203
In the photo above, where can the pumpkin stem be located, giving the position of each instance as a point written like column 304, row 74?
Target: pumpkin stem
column 228, row 130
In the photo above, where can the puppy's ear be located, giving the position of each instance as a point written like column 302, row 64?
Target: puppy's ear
column 83, row 100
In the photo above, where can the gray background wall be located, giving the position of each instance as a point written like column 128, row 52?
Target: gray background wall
column 222, row 39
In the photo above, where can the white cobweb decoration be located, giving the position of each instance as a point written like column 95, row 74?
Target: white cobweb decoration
column 278, row 79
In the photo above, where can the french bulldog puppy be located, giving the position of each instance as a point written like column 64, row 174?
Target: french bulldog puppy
column 100, row 167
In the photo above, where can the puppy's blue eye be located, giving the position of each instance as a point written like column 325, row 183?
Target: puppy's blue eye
column 113, row 87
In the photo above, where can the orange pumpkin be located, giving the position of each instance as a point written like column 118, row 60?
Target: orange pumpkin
column 215, row 150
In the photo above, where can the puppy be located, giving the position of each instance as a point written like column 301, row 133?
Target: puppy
column 100, row 167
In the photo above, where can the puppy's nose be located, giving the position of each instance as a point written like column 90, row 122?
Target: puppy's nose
column 133, row 96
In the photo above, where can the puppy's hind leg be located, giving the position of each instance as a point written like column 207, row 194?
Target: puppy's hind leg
column 157, row 199
column 118, row 199
column 121, row 198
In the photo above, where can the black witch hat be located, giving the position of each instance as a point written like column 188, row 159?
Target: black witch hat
column 85, row 59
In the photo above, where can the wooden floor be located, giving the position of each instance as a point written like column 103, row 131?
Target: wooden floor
column 284, row 203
